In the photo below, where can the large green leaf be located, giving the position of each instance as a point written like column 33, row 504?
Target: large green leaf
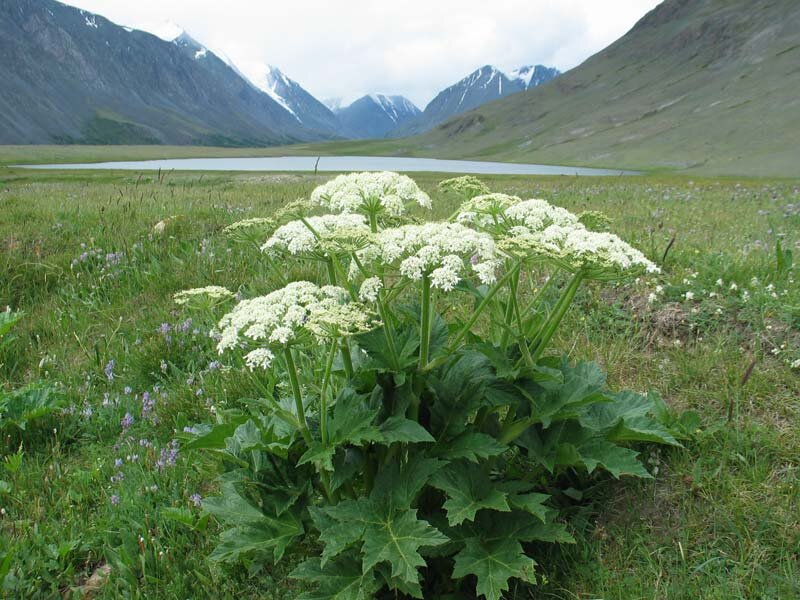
column 231, row 507
column 400, row 429
column 470, row 445
column 214, row 437
column 614, row 459
column 493, row 563
column 468, row 490
column 552, row 401
column 626, row 419
column 459, row 390
column 398, row 486
column 386, row 533
column 341, row 579
column 396, row 537
column 351, row 423
column 275, row 534
column 340, row 525
column 28, row 403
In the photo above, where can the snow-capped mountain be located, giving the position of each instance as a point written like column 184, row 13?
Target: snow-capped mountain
column 479, row 87
column 335, row 104
column 72, row 76
column 375, row 115
column 532, row 75
column 294, row 98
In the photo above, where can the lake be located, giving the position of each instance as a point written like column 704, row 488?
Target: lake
column 338, row 164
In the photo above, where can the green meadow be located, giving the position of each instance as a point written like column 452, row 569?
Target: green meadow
column 98, row 505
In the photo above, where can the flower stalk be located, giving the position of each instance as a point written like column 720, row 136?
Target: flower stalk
column 298, row 397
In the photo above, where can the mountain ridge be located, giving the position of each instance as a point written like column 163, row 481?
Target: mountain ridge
column 708, row 85
column 73, row 76
column 486, row 84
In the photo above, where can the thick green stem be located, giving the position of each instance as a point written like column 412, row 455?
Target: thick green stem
column 347, row 359
column 298, row 397
column 323, row 397
column 331, row 270
column 538, row 297
column 453, row 346
column 373, row 222
column 387, row 332
column 510, row 308
column 425, row 322
column 555, row 319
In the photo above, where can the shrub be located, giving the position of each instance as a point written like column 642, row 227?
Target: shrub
column 412, row 430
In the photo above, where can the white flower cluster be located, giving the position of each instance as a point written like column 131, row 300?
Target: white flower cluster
column 260, row 358
column 260, row 223
column 486, row 209
column 368, row 192
column 439, row 250
column 598, row 254
column 214, row 293
column 321, row 235
column 285, row 315
column 536, row 215
column 467, row 186
column 370, row 288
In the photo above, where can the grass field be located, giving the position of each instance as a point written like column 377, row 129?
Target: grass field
column 84, row 496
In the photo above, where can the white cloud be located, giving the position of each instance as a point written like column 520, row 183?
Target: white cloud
column 411, row 47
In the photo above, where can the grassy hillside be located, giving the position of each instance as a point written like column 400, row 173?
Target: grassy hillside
column 702, row 85
column 79, row 256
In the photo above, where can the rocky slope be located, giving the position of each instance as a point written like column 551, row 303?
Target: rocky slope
column 72, row 76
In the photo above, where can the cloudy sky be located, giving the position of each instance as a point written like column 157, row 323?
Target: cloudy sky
column 347, row 48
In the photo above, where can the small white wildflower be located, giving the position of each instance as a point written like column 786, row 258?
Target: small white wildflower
column 720, row 283
column 688, row 296
column 796, row 364
column 214, row 293
column 733, row 287
column 369, row 289
column 659, row 289
column 652, row 297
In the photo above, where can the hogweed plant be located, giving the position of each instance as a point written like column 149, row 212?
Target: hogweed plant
column 412, row 434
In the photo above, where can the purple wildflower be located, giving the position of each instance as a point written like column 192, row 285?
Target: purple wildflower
column 196, row 499
column 127, row 421
column 109, row 370
column 118, row 463
column 114, row 500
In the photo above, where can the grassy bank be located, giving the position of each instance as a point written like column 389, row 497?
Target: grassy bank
column 718, row 331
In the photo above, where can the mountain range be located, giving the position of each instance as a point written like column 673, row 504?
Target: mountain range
column 479, row 87
column 71, row 76
column 700, row 85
